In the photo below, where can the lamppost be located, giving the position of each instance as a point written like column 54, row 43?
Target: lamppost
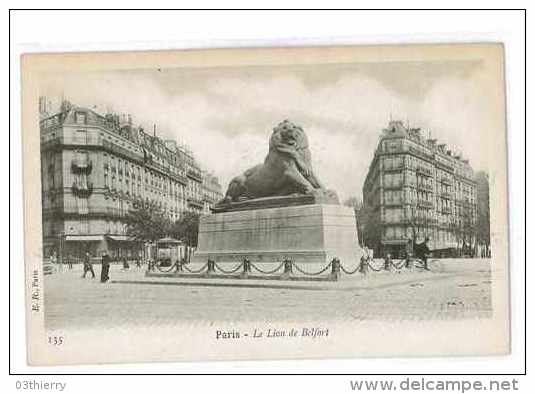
column 61, row 247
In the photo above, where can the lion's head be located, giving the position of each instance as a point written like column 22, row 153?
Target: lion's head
column 288, row 135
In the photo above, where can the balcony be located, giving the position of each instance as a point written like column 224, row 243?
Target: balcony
column 446, row 211
column 424, row 171
column 425, row 204
column 446, row 195
column 419, row 153
column 393, row 187
column 82, row 190
column 209, row 199
column 194, row 202
column 465, row 203
column 195, row 175
column 426, row 187
column 394, row 168
column 447, row 181
column 179, row 178
column 81, row 167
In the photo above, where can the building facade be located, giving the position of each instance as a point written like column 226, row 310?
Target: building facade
column 211, row 192
column 417, row 188
column 96, row 168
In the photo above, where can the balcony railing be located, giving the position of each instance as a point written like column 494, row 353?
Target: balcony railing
column 179, row 178
column 425, row 203
column 446, row 211
column 446, row 195
column 426, row 187
column 81, row 167
column 398, row 186
column 208, row 198
column 194, row 202
column 424, row 171
column 417, row 152
column 447, row 181
column 82, row 190
column 396, row 167
column 195, row 175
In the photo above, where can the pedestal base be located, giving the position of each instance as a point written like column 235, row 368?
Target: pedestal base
column 304, row 234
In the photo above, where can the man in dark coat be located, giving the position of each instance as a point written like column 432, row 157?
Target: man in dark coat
column 105, row 271
column 88, row 266
column 421, row 251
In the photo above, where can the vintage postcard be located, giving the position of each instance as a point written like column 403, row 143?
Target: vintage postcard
column 265, row 203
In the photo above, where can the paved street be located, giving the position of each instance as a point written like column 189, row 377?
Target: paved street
column 454, row 289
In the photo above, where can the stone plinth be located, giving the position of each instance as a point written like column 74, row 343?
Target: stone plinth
column 319, row 197
column 308, row 233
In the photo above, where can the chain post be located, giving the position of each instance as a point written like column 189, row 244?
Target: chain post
column 363, row 269
column 335, row 269
column 246, row 268
column 388, row 262
column 408, row 263
column 211, row 268
column 287, row 269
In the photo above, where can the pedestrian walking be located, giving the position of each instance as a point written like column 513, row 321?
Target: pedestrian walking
column 408, row 253
column 126, row 266
column 105, row 270
column 422, row 252
column 88, row 266
column 54, row 260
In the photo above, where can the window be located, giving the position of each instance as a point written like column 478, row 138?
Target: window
column 82, row 158
column 80, row 136
column 80, row 117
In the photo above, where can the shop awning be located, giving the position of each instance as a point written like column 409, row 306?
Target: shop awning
column 121, row 238
column 395, row 242
column 85, row 238
column 169, row 241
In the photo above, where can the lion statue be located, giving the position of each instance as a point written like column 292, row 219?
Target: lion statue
column 287, row 169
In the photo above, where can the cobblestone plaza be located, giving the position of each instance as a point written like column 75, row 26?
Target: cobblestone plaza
column 455, row 289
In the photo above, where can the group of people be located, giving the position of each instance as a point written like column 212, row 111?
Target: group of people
column 88, row 265
column 105, row 267
column 55, row 261
column 420, row 251
column 105, row 263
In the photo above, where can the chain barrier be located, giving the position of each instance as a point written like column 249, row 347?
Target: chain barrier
column 233, row 270
column 159, row 268
column 312, row 273
column 246, row 264
column 372, row 267
column 269, row 272
column 400, row 265
column 347, row 272
column 195, row 271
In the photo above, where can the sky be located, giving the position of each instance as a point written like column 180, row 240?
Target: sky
column 226, row 114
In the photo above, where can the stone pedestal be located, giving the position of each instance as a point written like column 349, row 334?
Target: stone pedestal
column 314, row 233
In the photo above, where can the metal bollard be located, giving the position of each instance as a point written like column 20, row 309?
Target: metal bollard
column 335, row 269
column 287, row 269
column 246, row 269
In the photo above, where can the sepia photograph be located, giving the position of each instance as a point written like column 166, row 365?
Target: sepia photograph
column 266, row 203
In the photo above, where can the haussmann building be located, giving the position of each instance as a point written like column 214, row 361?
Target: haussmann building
column 95, row 168
column 417, row 188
